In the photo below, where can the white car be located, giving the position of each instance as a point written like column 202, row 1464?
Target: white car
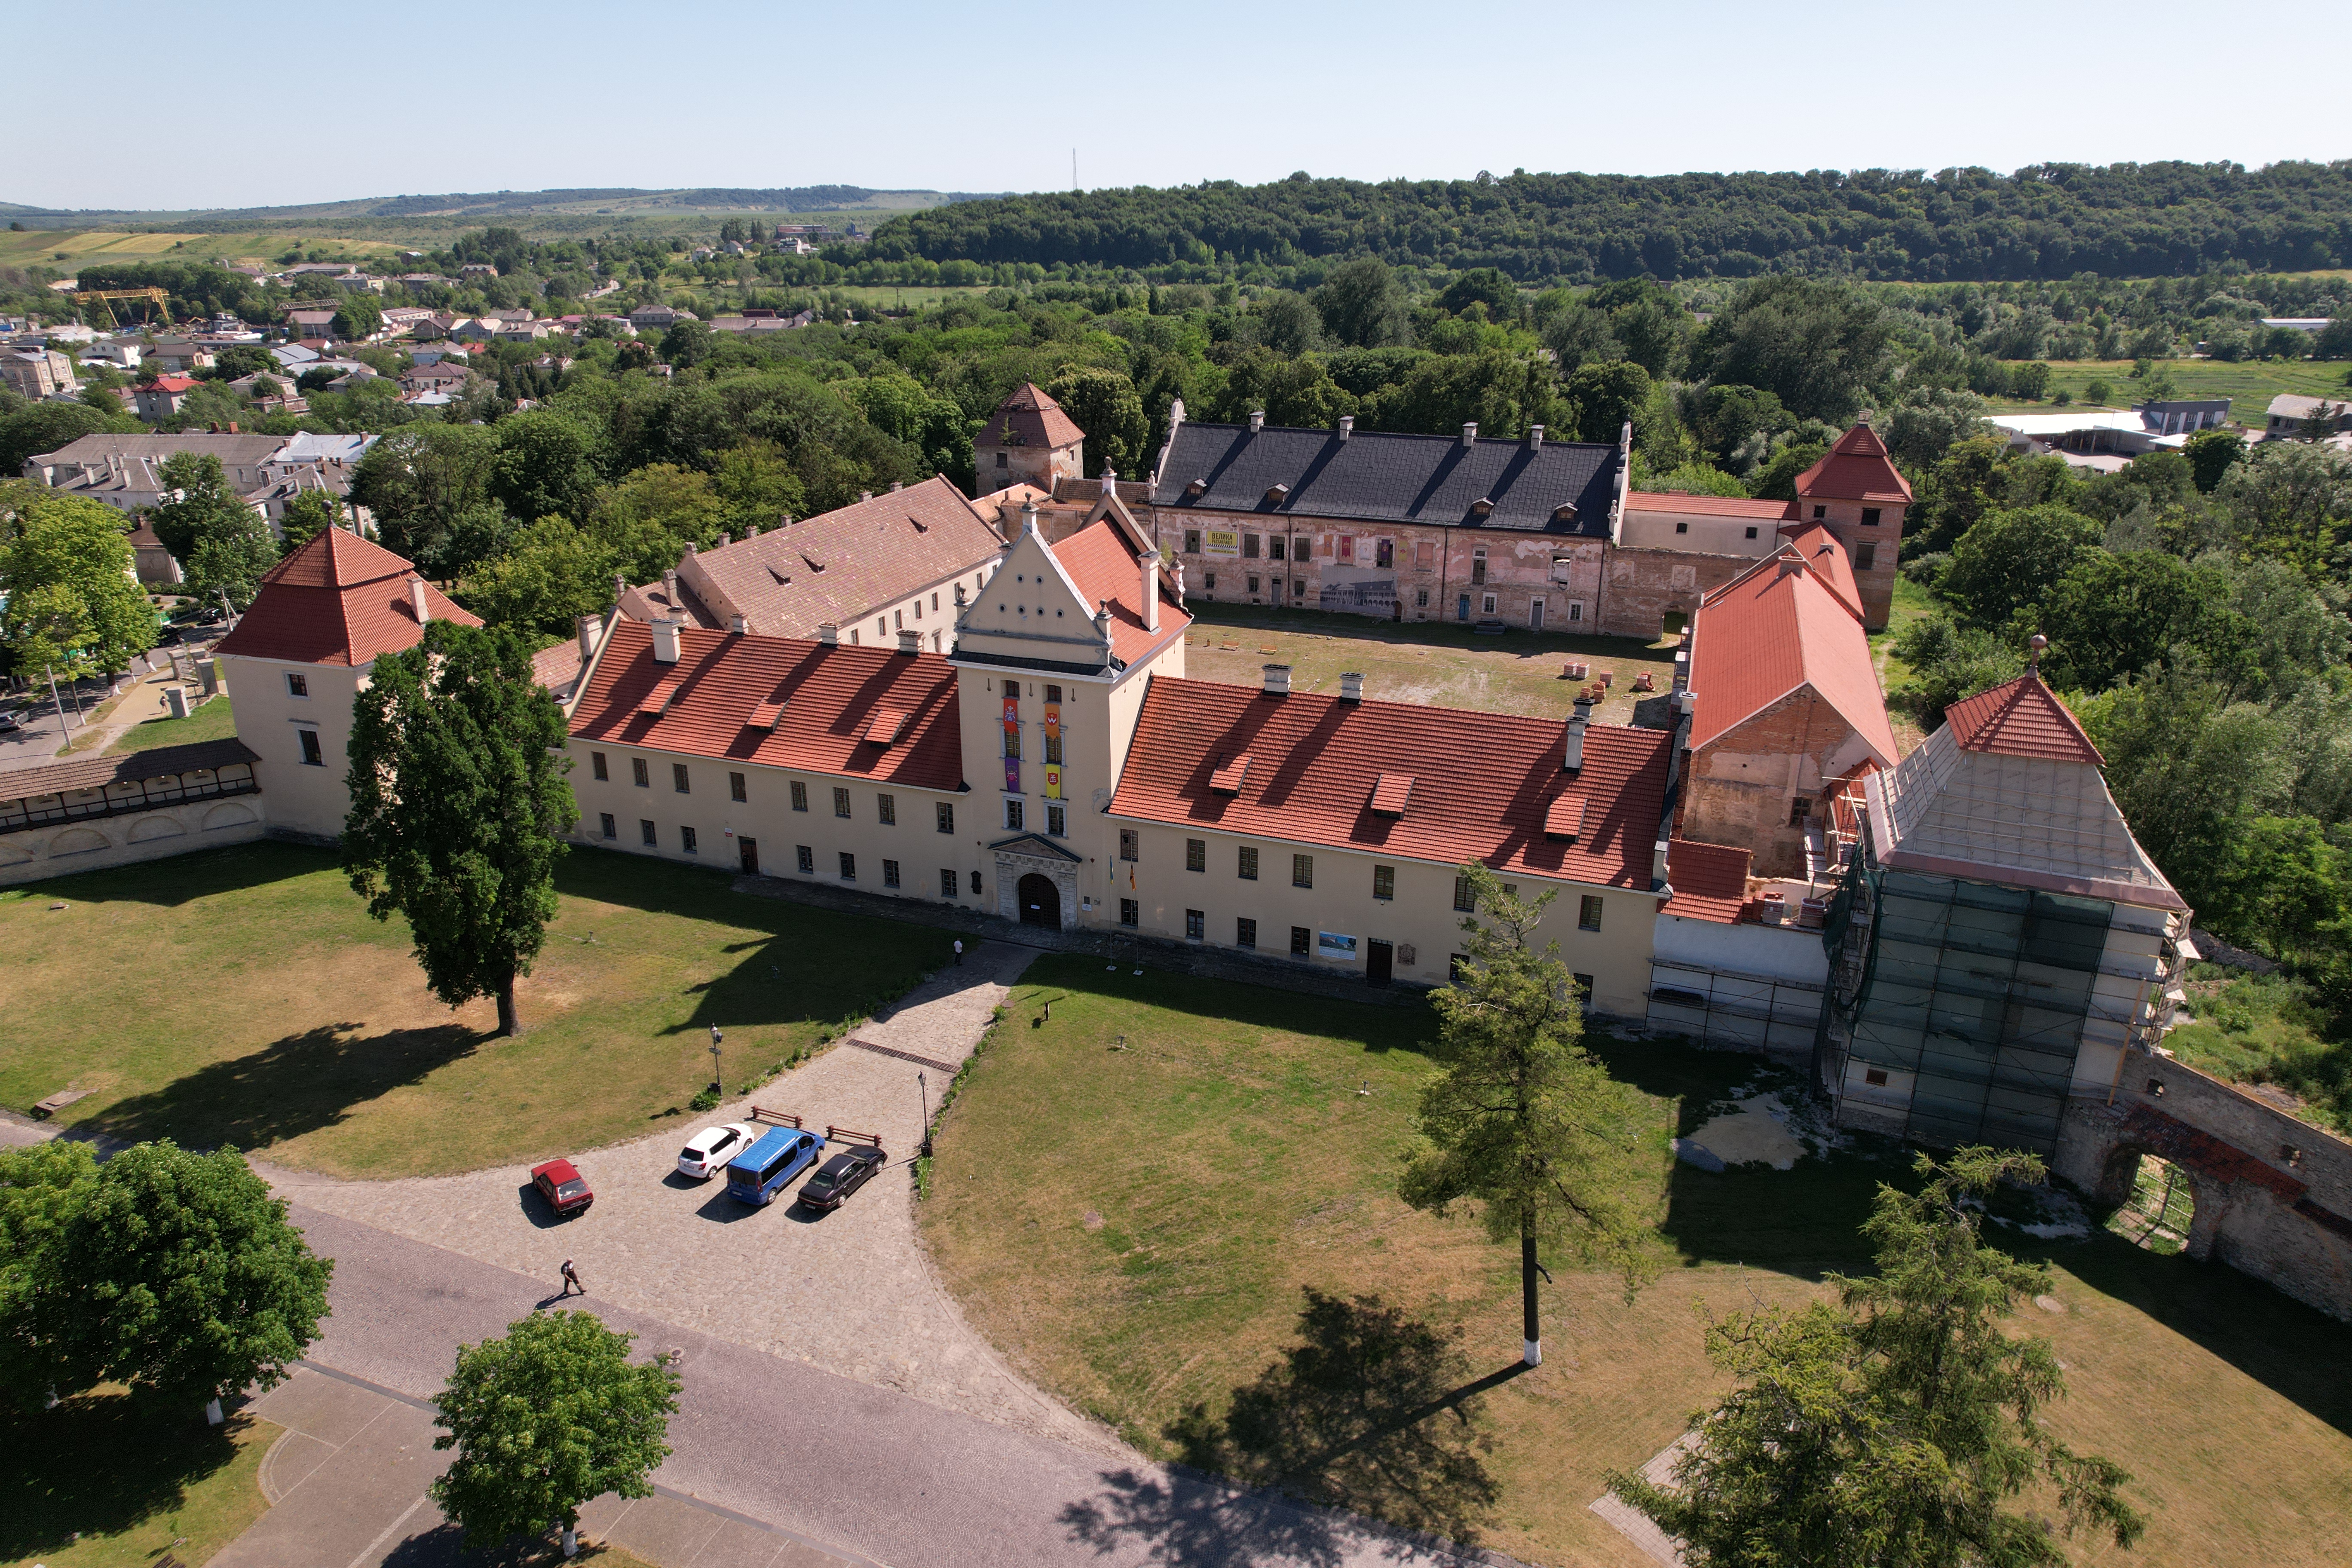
column 706, row 1153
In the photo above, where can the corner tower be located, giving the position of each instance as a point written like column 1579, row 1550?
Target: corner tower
column 1028, row 440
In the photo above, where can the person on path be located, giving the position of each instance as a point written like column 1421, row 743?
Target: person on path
column 572, row 1280
column 959, row 952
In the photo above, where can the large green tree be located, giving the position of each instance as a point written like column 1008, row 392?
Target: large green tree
column 1816, row 344
column 198, row 501
column 1363, row 305
column 230, row 557
column 1105, row 405
column 429, row 490
column 357, row 318
column 550, row 576
column 43, row 427
column 2010, row 560
column 42, row 1187
column 459, row 807
column 1519, row 1121
column 64, row 568
column 546, row 464
column 545, row 1420
column 1896, row 1429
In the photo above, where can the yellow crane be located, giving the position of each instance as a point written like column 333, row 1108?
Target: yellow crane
column 98, row 297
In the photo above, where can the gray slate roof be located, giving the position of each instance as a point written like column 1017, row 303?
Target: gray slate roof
column 1383, row 477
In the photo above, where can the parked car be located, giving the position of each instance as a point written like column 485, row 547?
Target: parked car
column 564, row 1188
column 840, row 1176
column 706, row 1153
column 9, row 724
column 760, row 1172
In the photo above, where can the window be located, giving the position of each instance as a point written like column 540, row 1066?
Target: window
column 1800, row 810
column 612, row 828
column 947, row 882
column 890, row 873
column 848, row 867
column 1003, row 460
column 1054, row 749
column 596, row 766
column 1385, row 552
column 1196, row 853
column 898, row 620
column 1212, row 582
column 297, row 685
column 1053, row 694
column 311, row 756
column 800, row 796
column 1299, row 938
column 1583, row 984
column 1248, row 868
column 1466, row 899
column 1486, row 605
column 646, row 835
column 678, row 778
column 1477, row 567
column 934, row 603
column 1131, row 846
column 1820, row 512
column 947, row 815
column 1130, row 913
column 881, row 626
column 1274, row 547
column 1196, row 926
column 1587, row 912
column 1298, row 587
column 975, row 884
column 1058, row 820
column 735, row 790
column 1875, row 1077
column 1246, row 932
column 1685, row 528
column 918, row 606
column 1384, row 881
column 1252, row 586
column 1751, row 533
column 886, row 809
column 1191, row 542
column 1250, row 543
column 1302, row 871
column 840, row 801
column 1012, row 689
column 1865, row 555
column 1421, row 598
column 1013, row 815
column 1457, row 968
column 1870, row 516
column 1346, row 548
column 1425, row 556
column 1012, row 740
column 685, row 840
column 639, row 773
column 1576, row 609
column 807, row 857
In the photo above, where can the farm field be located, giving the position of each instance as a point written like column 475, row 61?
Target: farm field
column 2249, row 385
column 1130, row 1198
column 243, row 996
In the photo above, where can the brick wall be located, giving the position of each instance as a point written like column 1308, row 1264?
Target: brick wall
column 1741, row 783
column 1644, row 586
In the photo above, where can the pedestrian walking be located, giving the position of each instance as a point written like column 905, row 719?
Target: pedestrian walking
column 959, row 952
column 572, row 1280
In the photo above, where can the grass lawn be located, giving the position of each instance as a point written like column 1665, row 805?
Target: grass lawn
column 1134, row 1228
column 1912, row 603
column 1431, row 663
column 243, row 996
column 2249, row 385
column 135, row 1486
column 209, row 721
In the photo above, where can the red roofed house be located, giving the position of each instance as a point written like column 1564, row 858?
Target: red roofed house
column 1028, row 440
column 1783, row 700
column 298, row 656
column 1857, row 493
column 159, row 398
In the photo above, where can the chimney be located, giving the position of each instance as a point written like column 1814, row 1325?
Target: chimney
column 910, row 640
column 1572, row 759
column 690, row 552
column 1470, row 433
column 416, row 600
column 1347, row 425
column 751, row 531
column 739, row 625
column 1535, row 438
column 664, row 641
column 1277, row 681
column 620, row 586
column 669, row 584
column 1110, row 483
column 1258, row 420
column 864, row 495
column 1148, row 562
column 587, row 638
column 1658, row 864
column 828, row 634
column 1029, row 516
column 895, row 486
column 1351, row 687
column 725, row 539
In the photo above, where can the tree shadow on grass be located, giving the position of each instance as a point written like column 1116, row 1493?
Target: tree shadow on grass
column 100, row 1464
column 291, row 1087
column 1373, row 1411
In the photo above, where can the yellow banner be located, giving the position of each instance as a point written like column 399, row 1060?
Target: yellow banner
column 1053, row 784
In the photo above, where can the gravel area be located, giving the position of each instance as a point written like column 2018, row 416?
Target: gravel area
column 851, row 1293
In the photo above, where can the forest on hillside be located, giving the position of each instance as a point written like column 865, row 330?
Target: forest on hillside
column 2049, row 221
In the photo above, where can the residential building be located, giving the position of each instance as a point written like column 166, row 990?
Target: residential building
column 37, row 373
column 901, row 560
column 299, row 656
column 177, row 357
column 124, row 354
column 1858, row 495
column 1028, row 440
column 2184, row 416
column 659, row 318
column 1670, row 550
column 126, row 471
column 438, row 375
column 158, row 397
column 304, row 325
column 2291, row 415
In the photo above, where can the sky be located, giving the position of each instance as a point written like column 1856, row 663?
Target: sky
column 430, row 97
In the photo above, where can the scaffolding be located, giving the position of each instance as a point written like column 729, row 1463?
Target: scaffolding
column 1727, row 1009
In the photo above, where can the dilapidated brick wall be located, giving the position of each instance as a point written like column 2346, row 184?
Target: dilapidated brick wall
column 1742, row 784
column 1642, row 587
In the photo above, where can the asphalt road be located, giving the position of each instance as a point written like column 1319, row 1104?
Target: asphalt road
column 892, row 1477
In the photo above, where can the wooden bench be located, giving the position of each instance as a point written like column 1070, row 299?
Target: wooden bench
column 843, row 1135
column 782, row 1118
column 59, row 1100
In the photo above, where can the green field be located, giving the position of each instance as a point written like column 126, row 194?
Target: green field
column 243, row 996
column 1129, row 1196
column 211, row 720
column 102, row 1481
column 2249, row 385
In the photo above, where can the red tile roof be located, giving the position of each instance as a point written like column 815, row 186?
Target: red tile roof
column 2021, row 719
column 824, row 701
column 1104, row 565
column 1709, row 506
column 1317, row 760
column 337, row 600
column 1856, row 468
column 1564, row 819
column 168, row 384
column 557, row 665
column 1392, row 792
column 1709, row 880
column 1825, row 554
column 1776, row 628
column 1027, row 417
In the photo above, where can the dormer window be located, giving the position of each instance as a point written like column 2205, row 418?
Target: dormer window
column 1196, row 490
column 1483, row 507
column 1275, row 495
column 1565, row 513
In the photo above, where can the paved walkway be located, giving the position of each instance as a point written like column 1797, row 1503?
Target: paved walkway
column 142, row 692
column 851, row 1293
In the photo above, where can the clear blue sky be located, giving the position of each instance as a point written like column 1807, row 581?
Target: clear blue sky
column 204, row 103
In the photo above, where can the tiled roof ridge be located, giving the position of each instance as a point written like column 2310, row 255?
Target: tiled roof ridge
column 1988, row 722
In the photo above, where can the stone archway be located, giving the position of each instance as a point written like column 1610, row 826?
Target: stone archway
column 1040, row 900
column 1023, row 862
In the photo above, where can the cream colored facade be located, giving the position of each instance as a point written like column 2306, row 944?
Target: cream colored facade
column 930, row 610
column 278, row 703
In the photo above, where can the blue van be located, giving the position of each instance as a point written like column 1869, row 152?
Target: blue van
column 759, row 1173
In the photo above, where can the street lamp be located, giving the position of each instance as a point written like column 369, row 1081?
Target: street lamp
column 717, row 1078
column 923, row 1084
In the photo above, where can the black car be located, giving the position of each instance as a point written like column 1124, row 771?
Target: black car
column 838, row 1177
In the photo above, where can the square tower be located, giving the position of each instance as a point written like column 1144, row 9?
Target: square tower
column 1028, row 440
column 1856, row 492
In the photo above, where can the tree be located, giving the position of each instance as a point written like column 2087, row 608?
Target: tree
column 1519, row 1119
column 2111, row 616
column 357, row 318
column 2291, row 500
column 1298, row 393
column 1501, row 392
column 1486, row 286
column 1816, row 345
column 46, row 426
column 199, row 500
column 1892, row 1429
column 548, row 577
column 2211, row 454
column 544, row 1421
column 2010, row 559
column 308, row 515
column 1607, row 397
column 230, row 557
column 2287, row 889
column 1362, row 305
column 42, row 1187
column 1928, row 421
column 426, row 486
column 65, row 569
column 687, row 344
column 1286, row 323
column 1578, row 335
column 184, row 1279
column 1105, row 405
column 2029, row 382
column 458, row 807
column 546, row 466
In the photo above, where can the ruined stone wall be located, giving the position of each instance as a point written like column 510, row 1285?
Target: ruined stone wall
column 1742, row 782
column 2273, row 1195
column 1644, row 586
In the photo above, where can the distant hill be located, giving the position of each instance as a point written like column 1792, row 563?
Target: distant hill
column 488, row 205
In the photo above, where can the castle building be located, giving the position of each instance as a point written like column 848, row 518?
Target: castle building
column 1027, row 441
